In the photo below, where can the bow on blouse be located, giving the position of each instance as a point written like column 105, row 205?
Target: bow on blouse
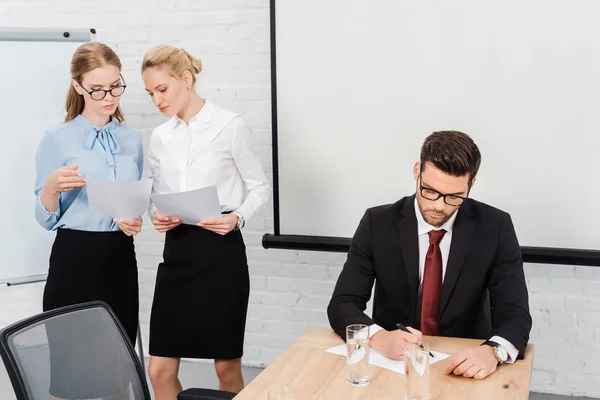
column 108, row 142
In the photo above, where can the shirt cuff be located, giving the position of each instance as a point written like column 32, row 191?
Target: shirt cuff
column 245, row 210
column 43, row 210
column 45, row 218
column 373, row 329
column 510, row 349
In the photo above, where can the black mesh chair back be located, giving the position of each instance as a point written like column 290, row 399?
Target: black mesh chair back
column 74, row 352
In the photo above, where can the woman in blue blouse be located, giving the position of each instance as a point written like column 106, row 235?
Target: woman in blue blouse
column 93, row 256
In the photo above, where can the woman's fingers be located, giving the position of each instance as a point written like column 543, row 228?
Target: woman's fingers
column 165, row 227
column 66, row 183
column 70, row 185
column 213, row 227
column 220, row 231
column 129, row 230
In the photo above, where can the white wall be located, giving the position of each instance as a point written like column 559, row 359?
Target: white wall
column 290, row 289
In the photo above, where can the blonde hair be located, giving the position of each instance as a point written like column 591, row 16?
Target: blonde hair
column 176, row 60
column 87, row 57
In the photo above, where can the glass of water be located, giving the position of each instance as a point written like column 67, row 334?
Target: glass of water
column 416, row 369
column 357, row 354
column 284, row 393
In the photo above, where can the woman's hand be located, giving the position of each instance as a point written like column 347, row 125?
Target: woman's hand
column 64, row 179
column 222, row 225
column 130, row 227
column 163, row 224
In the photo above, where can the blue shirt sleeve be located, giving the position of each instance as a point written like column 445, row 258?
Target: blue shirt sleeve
column 47, row 161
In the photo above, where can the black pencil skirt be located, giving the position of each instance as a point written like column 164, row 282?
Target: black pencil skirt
column 201, row 295
column 87, row 266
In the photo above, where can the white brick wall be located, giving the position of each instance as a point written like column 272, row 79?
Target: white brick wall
column 290, row 289
column 565, row 306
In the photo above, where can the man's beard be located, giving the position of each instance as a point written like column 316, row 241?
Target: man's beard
column 432, row 220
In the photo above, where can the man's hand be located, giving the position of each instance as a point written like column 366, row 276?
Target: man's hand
column 474, row 362
column 391, row 344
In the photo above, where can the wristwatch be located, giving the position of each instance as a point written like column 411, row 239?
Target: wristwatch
column 240, row 222
column 499, row 351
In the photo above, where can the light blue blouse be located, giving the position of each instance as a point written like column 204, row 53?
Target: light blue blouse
column 113, row 152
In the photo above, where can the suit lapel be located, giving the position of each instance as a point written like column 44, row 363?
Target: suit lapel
column 462, row 237
column 409, row 243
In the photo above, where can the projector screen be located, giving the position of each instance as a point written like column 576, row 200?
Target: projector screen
column 358, row 85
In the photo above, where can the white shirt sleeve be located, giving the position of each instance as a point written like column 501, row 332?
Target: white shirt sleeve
column 251, row 171
column 510, row 349
column 373, row 329
column 154, row 168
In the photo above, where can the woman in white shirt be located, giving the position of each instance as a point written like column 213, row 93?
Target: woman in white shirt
column 202, row 287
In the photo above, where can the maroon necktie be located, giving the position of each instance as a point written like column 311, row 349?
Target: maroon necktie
column 432, row 285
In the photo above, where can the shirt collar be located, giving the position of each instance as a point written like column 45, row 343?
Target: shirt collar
column 424, row 228
column 204, row 116
column 81, row 120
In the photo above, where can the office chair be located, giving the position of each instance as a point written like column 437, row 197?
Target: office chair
column 78, row 351
column 205, row 394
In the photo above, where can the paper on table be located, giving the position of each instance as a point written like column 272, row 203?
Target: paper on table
column 190, row 207
column 119, row 199
column 378, row 359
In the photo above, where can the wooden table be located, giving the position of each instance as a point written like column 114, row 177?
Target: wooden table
column 317, row 375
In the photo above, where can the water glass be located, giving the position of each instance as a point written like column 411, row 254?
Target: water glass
column 357, row 354
column 416, row 370
column 284, row 393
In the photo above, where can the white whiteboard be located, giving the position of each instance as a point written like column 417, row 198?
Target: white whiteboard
column 360, row 84
column 35, row 78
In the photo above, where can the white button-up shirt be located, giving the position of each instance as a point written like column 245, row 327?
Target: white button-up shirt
column 423, row 229
column 215, row 148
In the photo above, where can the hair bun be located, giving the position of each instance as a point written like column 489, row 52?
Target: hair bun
column 196, row 63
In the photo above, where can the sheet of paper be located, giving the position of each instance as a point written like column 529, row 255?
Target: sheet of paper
column 376, row 358
column 190, row 207
column 119, row 199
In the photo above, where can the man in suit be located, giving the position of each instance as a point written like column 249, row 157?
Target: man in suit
column 442, row 264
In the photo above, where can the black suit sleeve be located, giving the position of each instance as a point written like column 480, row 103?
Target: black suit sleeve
column 509, row 300
column 353, row 288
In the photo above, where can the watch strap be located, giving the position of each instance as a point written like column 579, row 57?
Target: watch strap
column 495, row 346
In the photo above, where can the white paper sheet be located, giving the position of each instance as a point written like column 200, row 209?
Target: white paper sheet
column 190, row 207
column 378, row 359
column 119, row 199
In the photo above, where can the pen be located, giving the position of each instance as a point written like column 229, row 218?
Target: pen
column 403, row 328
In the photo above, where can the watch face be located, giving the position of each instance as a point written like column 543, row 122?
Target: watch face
column 501, row 353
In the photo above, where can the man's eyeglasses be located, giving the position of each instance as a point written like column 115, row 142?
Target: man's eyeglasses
column 432, row 194
column 100, row 94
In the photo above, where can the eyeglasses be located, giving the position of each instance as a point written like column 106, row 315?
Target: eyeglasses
column 100, row 94
column 432, row 194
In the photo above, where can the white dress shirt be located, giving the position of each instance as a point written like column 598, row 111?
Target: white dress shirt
column 215, row 148
column 423, row 229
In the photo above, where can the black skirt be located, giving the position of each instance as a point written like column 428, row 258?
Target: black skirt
column 201, row 295
column 87, row 266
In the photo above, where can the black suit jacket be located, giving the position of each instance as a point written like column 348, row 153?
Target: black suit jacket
column 483, row 293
